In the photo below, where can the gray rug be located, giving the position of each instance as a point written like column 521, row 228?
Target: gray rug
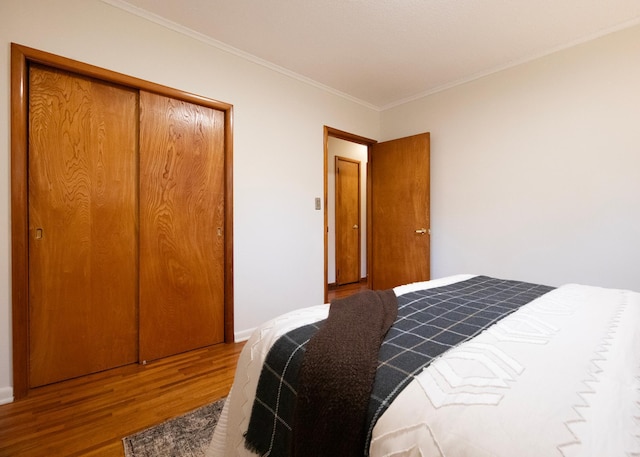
column 184, row 436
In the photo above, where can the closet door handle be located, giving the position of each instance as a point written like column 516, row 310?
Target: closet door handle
column 39, row 233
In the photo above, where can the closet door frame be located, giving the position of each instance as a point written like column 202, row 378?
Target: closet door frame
column 21, row 58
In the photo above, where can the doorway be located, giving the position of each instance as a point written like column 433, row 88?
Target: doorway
column 397, row 251
column 352, row 148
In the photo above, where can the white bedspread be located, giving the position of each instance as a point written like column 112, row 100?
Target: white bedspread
column 559, row 377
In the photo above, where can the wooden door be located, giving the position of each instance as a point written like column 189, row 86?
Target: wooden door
column 82, row 225
column 181, row 226
column 399, row 208
column 347, row 221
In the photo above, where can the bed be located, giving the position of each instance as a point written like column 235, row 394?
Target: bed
column 555, row 374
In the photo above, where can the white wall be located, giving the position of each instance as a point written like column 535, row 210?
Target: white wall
column 536, row 169
column 355, row 151
column 278, row 145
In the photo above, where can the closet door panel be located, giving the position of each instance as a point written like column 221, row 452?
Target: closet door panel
column 82, row 226
column 181, row 226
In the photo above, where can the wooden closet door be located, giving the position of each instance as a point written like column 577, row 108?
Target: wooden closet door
column 82, row 226
column 181, row 226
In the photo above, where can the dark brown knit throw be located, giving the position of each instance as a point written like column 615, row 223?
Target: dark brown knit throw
column 337, row 373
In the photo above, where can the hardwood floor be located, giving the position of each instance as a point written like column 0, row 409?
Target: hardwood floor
column 89, row 416
column 346, row 290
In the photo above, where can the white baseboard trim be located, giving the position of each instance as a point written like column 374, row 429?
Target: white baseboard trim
column 243, row 335
column 6, row 395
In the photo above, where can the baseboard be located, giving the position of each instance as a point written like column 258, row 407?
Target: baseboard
column 6, row 395
column 243, row 335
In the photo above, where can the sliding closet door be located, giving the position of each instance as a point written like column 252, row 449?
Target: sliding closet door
column 82, row 225
column 181, row 226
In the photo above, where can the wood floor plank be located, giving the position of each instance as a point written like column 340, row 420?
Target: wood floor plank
column 89, row 416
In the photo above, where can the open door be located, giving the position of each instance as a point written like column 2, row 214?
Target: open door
column 399, row 211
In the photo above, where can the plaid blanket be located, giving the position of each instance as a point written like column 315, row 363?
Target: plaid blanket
column 336, row 375
column 429, row 322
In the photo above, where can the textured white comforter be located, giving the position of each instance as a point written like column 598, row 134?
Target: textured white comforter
column 559, row 377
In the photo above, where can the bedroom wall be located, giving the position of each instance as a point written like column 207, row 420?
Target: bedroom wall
column 278, row 145
column 536, row 169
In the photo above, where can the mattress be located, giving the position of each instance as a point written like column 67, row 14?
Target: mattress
column 559, row 376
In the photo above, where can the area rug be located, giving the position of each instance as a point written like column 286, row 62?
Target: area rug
column 184, row 436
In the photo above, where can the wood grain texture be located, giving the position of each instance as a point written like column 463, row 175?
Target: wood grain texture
column 22, row 57
column 182, row 227
column 347, row 217
column 82, row 225
column 19, row 221
column 89, row 416
column 400, row 199
column 332, row 132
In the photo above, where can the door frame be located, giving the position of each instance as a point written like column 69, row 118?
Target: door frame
column 21, row 58
column 341, row 134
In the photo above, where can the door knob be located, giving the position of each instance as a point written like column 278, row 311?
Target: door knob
column 355, row 226
column 421, row 231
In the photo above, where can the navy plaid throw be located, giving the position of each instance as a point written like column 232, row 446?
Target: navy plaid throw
column 429, row 322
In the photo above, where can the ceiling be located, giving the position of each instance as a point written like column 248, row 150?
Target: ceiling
column 386, row 52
